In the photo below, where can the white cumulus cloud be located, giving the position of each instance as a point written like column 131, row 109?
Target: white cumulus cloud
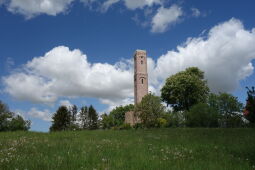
column 165, row 17
column 31, row 8
column 44, row 115
column 65, row 72
column 134, row 4
column 224, row 54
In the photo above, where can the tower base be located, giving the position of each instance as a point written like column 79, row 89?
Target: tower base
column 132, row 118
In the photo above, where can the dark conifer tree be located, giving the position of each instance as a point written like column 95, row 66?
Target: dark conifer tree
column 61, row 119
column 93, row 118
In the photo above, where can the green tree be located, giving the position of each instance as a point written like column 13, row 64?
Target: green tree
column 150, row 110
column 202, row 115
column 118, row 114
column 249, row 111
column 228, row 107
column 61, row 119
column 185, row 89
column 18, row 123
column 84, row 117
column 107, row 121
column 5, row 115
column 92, row 118
column 11, row 122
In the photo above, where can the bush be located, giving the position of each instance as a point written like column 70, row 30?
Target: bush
column 125, row 126
column 176, row 119
column 107, row 121
column 232, row 121
column 138, row 126
column 162, row 122
column 150, row 109
column 118, row 114
column 202, row 115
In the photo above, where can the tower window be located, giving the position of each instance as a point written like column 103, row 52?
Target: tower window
column 141, row 61
column 142, row 81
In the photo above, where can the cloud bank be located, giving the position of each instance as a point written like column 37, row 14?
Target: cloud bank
column 134, row 4
column 159, row 18
column 225, row 54
column 65, row 72
column 33, row 8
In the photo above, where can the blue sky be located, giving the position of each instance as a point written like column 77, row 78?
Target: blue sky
column 79, row 51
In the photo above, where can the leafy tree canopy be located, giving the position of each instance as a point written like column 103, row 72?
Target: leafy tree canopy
column 185, row 89
column 11, row 122
column 118, row 114
column 150, row 110
column 229, row 109
column 226, row 104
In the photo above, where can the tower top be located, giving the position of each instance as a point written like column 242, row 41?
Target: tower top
column 142, row 52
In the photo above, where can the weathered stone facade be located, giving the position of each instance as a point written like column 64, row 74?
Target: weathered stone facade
column 140, row 83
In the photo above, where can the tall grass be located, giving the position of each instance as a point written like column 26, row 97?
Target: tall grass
column 216, row 149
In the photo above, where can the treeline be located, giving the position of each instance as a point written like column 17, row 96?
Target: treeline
column 9, row 121
column 70, row 118
column 191, row 104
column 87, row 118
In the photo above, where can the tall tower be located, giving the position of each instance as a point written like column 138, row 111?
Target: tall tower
column 140, row 75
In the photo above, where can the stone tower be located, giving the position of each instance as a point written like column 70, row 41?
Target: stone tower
column 140, row 84
column 140, row 75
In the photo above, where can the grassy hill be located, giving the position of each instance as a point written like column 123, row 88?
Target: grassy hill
column 141, row 149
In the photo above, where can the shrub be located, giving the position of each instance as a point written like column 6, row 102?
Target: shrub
column 118, row 114
column 176, row 119
column 138, row 126
column 202, row 115
column 125, row 126
column 232, row 121
column 150, row 109
column 162, row 122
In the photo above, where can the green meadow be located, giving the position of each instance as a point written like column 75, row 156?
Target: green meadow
column 175, row 148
